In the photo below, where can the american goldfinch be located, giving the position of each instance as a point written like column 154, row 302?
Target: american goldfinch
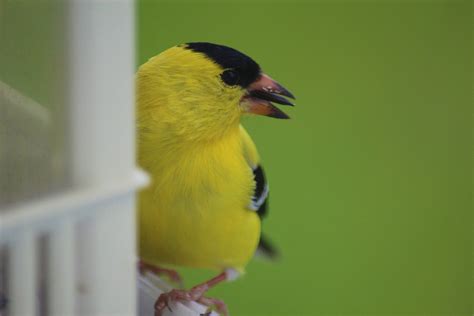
column 208, row 192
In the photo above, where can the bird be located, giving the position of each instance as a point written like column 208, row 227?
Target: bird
column 208, row 191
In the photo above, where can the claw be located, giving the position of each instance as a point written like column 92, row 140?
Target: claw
column 195, row 294
column 218, row 304
column 164, row 299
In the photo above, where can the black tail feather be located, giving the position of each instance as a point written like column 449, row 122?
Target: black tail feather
column 267, row 249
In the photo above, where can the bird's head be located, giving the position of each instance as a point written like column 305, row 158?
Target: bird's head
column 204, row 88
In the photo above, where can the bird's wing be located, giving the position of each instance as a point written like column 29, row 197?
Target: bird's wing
column 260, row 194
column 259, row 201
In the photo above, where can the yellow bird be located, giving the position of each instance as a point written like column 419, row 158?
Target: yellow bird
column 208, row 192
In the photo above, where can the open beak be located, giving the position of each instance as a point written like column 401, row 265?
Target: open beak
column 261, row 94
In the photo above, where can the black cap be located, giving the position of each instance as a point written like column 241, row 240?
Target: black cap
column 243, row 69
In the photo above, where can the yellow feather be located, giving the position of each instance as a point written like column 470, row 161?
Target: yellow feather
column 250, row 151
column 195, row 213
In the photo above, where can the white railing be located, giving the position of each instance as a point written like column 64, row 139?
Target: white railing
column 86, row 264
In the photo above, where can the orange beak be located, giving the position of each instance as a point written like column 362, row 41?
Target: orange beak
column 262, row 93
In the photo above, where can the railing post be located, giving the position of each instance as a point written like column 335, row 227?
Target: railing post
column 101, row 89
column 61, row 281
column 22, row 277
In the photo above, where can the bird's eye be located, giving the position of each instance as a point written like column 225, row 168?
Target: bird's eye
column 230, row 77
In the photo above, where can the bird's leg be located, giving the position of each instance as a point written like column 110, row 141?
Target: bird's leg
column 194, row 294
column 171, row 274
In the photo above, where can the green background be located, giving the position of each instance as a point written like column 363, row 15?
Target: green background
column 371, row 180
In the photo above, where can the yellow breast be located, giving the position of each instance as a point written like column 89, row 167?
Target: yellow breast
column 195, row 211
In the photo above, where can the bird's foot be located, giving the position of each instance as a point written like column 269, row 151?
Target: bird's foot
column 195, row 294
column 165, row 299
column 172, row 275
column 215, row 303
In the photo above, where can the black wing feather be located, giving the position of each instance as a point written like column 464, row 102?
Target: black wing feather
column 260, row 196
column 260, row 205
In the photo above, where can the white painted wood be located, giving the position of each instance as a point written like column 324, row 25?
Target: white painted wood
column 22, row 278
column 105, row 282
column 47, row 213
column 102, row 150
column 102, row 68
column 61, row 270
column 91, row 227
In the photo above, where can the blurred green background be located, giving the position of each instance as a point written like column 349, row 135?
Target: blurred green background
column 371, row 180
